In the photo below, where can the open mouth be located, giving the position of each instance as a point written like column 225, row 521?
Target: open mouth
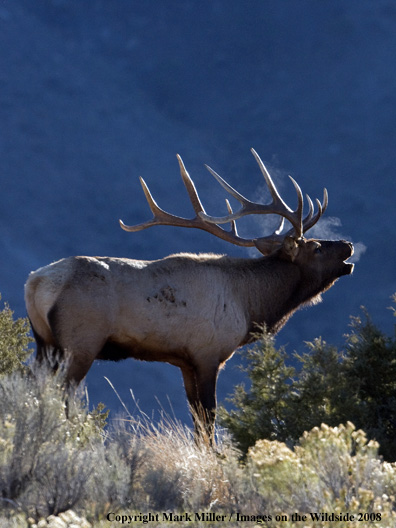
column 348, row 266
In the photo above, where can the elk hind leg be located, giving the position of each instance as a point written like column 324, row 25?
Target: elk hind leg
column 47, row 355
column 79, row 345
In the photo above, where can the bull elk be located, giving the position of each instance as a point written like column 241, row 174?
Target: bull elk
column 192, row 311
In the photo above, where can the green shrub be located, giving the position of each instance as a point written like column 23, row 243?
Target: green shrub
column 14, row 341
column 262, row 411
column 356, row 383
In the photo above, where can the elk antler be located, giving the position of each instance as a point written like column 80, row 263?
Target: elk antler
column 210, row 224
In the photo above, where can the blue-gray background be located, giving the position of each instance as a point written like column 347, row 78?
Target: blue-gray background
column 95, row 93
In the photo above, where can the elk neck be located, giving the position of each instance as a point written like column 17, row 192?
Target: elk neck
column 271, row 292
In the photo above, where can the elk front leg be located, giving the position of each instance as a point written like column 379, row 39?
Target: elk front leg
column 191, row 388
column 200, row 386
column 207, row 401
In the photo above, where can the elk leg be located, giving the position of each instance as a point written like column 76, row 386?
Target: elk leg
column 191, row 388
column 200, row 388
column 79, row 350
column 206, row 384
column 78, row 368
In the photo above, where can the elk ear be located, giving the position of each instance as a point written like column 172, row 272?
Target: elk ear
column 291, row 247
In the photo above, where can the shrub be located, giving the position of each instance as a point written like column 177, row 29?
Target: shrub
column 356, row 383
column 14, row 341
column 333, row 470
column 370, row 372
column 50, row 464
column 46, row 460
column 261, row 412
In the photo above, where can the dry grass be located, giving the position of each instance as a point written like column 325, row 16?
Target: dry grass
column 176, row 471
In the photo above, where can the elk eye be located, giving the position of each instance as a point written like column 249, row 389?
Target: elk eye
column 318, row 249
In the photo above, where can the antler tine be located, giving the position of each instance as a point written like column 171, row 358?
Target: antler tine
column 155, row 209
column 228, row 188
column 273, row 190
column 310, row 213
column 189, row 185
column 194, row 198
column 279, row 230
column 233, row 223
column 308, row 223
